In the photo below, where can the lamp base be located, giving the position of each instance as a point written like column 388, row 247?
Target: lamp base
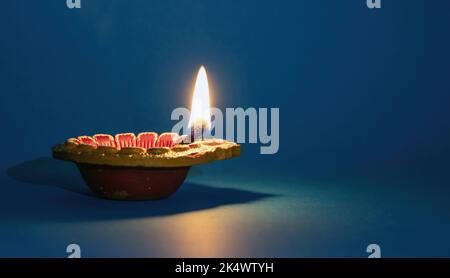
column 132, row 183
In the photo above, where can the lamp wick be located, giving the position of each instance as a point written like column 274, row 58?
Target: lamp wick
column 203, row 128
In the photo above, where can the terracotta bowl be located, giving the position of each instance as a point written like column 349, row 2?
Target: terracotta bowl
column 132, row 183
column 143, row 167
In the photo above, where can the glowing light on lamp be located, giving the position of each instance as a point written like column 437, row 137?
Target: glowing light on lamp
column 200, row 108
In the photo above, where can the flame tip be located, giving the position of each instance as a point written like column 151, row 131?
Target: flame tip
column 202, row 70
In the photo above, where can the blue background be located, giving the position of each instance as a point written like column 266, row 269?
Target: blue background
column 364, row 125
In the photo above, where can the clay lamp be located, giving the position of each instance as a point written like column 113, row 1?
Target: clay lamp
column 147, row 166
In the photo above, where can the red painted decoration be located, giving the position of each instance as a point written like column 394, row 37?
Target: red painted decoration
column 124, row 140
column 87, row 140
column 146, row 140
column 105, row 140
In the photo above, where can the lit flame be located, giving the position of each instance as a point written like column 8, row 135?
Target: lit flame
column 200, row 109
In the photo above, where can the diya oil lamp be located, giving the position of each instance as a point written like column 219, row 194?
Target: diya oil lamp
column 147, row 166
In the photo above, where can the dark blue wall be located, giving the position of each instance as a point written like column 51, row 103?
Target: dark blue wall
column 357, row 89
